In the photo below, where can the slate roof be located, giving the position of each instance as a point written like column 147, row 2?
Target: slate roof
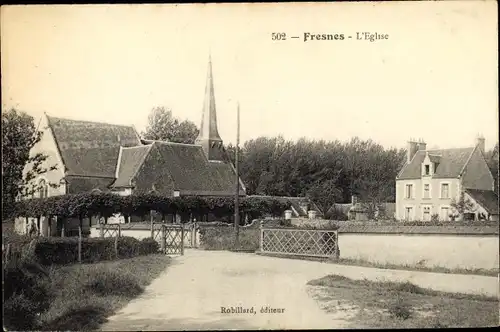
column 78, row 184
column 131, row 159
column 91, row 155
column 91, row 148
column 488, row 199
column 193, row 174
column 451, row 163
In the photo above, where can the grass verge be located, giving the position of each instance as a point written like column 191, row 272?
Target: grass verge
column 84, row 295
column 391, row 266
column 373, row 304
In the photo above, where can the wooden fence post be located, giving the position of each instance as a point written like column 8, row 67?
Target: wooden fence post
column 337, row 249
column 116, row 245
column 193, row 235
column 49, row 226
column 80, row 244
column 7, row 254
column 163, row 239
column 101, row 225
column 62, row 227
column 152, row 231
column 261, row 236
column 182, row 237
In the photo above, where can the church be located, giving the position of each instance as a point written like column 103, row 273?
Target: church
column 93, row 156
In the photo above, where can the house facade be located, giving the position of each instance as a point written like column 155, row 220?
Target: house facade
column 93, row 156
column 431, row 180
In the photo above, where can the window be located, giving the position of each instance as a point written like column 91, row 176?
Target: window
column 427, row 190
column 409, row 191
column 426, row 213
column 408, row 213
column 445, row 214
column 445, row 190
column 427, row 169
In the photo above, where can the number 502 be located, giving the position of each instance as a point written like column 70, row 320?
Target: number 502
column 278, row 36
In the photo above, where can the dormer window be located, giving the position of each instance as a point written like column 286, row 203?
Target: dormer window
column 427, row 169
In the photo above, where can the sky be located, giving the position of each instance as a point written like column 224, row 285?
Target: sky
column 434, row 78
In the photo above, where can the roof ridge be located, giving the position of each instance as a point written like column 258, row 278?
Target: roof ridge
column 170, row 143
column 136, row 146
column 88, row 121
column 467, row 162
column 148, row 147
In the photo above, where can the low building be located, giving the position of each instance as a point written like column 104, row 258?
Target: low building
column 93, row 156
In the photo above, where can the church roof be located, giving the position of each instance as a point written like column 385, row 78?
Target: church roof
column 187, row 167
column 131, row 159
column 91, row 148
column 208, row 128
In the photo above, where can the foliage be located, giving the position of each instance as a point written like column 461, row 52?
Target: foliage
column 163, row 126
column 84, row 205
column 222, row 238
column 106, row 283
column 461, row 206
column 492, row 160
column 19, row 135
column 26, row 293
column 62, row 251
column 400, row 308
column 277, row 167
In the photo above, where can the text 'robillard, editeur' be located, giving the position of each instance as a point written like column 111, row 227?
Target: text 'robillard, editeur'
column 251, row 310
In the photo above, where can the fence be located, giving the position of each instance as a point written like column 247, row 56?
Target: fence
column 299, row 242
column 173, row 238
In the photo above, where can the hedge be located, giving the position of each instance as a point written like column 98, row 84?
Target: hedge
column 61, row 251
column 84, row 205
column 222, row 238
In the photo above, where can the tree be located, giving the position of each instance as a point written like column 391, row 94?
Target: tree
column 492, row 160
column 324, row 194
column 460, row 207
column 19, row 135
column 163, row 126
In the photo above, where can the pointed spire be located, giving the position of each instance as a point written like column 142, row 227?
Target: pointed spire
column 208, row 127
column 209, row 136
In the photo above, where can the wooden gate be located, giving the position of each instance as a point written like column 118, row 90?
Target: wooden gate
column 170, row 237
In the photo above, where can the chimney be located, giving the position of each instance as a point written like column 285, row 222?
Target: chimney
column 480, row 142
column 411, row 150
column 354, row 200
column 422, row 145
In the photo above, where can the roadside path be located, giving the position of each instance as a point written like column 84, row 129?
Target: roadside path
column 190, row 293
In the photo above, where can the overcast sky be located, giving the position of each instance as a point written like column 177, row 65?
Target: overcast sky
column 434, row 78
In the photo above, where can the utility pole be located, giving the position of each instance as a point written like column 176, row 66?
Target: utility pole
column 237, row 197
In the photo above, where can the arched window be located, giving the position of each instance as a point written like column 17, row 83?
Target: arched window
column 43, row 189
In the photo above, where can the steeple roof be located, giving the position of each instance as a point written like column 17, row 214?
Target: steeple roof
column 208, row 127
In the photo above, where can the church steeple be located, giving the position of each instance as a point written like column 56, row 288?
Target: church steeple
column 209, row 137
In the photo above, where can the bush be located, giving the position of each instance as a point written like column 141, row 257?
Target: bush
column 105, row 283
column 148, row 246
column 61, row 251
column 400, row 309
column 222, row 238
column 26, row 294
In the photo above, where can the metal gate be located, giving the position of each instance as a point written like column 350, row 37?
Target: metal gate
column 299, row 242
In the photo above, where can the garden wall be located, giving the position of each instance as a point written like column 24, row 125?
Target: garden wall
column 443, row 250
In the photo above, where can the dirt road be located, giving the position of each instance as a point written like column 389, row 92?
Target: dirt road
column 224, row 290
